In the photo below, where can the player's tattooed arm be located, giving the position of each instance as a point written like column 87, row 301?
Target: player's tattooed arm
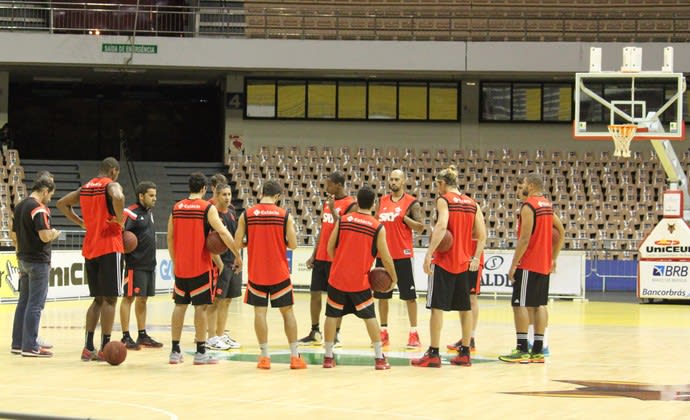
column 414, row 218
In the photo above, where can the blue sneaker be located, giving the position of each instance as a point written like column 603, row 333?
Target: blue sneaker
column 545, row 351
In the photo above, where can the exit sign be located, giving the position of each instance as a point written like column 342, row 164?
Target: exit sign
column 128, row 48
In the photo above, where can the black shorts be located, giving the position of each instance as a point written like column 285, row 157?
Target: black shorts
column 341, row 303
column 139, row 283
column 280, row 294
column 530, row 289
column 195, row 290
column 229, row 284
column 476, row 281
column 403, row 268
column 448, row 291
column 104, row 275
column 319, row 276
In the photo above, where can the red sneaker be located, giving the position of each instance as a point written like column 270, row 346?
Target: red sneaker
column 89, row 355
column 461, row 360
column 455, row 346
column 427, row 361
column 385, row 340
column 413, row 340
column 328, row 362
column 382, row 364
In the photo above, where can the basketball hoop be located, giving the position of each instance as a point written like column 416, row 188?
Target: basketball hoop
column 622, row 135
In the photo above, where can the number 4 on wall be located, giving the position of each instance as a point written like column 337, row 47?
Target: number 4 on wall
column 234, row 100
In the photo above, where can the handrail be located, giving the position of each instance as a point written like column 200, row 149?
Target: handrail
column 359, row 20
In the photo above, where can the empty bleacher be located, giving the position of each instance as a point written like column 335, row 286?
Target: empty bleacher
column 607, row 205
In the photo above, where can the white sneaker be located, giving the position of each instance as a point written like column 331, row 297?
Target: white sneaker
column 230, row 342
column 204, row 359
column 216, row 343
column 43, row 343
column 337, row 344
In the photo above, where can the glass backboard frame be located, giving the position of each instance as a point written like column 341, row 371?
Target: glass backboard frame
column 674, row 129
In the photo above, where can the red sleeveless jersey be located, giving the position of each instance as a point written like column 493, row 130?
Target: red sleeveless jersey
column 461, row 212
column 103, row 233
column 398, row 234
column 266, row 244
column 328, row 224
column 538, row 255
column 355, row 252
column 190, row 228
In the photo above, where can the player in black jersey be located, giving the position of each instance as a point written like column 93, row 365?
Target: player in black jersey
column 140, row 270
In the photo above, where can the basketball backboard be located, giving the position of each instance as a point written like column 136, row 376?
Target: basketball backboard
column 652, row 100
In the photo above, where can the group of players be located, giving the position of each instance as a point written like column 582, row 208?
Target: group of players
column 354, row 234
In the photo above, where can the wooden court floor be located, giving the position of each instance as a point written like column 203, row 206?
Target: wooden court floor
column 609, row 360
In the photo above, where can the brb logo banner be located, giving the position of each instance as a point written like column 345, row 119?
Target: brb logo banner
column 664, row 280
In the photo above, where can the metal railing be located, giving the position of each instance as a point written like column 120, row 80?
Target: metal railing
column 349, row 21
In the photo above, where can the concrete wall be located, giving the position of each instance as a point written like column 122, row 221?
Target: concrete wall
column 341, row 56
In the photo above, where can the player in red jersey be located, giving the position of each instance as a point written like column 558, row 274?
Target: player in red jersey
column 338, row 204
column 401, row 214
column 533, row 262
column 449, row 289
column 102, row 203
column 353, row 245
column 189, row 224
column 269, row 230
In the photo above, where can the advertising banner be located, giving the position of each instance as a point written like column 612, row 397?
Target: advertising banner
column 664, row 279
column 68, row 280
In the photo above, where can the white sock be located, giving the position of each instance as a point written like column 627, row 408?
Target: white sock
column 384, row 328
column 328, row 346
column 413, row 329
column 546, row 337
column 530, row 333
column 264, row 349
column 378, row 349
column 293, row 349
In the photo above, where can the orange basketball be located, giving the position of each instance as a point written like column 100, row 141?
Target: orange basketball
column 379, row 279
column 115, row 352
column 446, row 242
column 130, row 241
column 214, row 244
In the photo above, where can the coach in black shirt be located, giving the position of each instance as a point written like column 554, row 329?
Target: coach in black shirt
column 140, row 274
column 33, row 236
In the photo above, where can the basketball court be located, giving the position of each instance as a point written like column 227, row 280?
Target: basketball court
column 606, row 358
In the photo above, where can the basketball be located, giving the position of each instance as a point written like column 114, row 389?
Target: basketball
column 379, row 279
column 446, row 242
column 115, row 352
column 130, row 241
column 214, row 244
column 555, row 237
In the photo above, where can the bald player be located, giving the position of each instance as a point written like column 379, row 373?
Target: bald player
column 401, row 214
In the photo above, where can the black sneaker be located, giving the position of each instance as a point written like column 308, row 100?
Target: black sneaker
column 313, row 339
column 130, row 344
column 146, row 341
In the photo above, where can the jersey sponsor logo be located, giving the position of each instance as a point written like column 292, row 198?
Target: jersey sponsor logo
column 390, row 216
column 188, row 206
column 328, row 218
column 543, row 203
column 91, row 184
column 358, row 220
column 258, row 212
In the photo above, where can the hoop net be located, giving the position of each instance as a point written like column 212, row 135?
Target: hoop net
column 622, row 135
